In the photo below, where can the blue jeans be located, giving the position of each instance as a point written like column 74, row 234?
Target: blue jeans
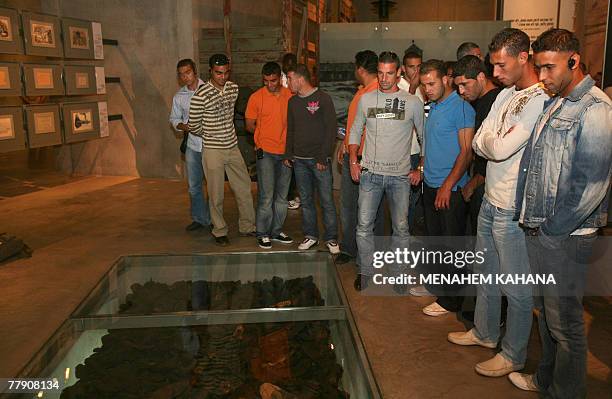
column 562, row 369
column 273, row 179
column 200, row 211
column 307, row 178
column 372, row 187
column 349, row 200
column 503, row 243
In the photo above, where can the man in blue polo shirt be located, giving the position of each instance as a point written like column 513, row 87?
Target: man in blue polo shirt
column 449, row 130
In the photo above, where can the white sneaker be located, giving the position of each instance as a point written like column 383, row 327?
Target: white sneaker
column 333, row 247
column 420, row 291
column 294, row 203
column 434, row 310
column 307, row 244
column 468, row 338
column 522, row 381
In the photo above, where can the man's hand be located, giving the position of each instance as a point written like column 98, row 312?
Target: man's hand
column 355, row 171
column 443, row 197
column 414, row 82
column 468, row 190
column 415, row 177
column 288, row 163
column 183, row 126
column 340, row 154
column 321, row 167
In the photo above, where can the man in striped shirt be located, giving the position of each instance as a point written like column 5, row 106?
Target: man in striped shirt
column 211, row 115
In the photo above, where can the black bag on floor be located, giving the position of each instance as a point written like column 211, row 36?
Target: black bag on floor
column 11, row 246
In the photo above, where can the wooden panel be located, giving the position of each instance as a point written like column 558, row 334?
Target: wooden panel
column 242, row 57
column 435, row 10
column 248, row 39
column 312, row 12
column 250, row 44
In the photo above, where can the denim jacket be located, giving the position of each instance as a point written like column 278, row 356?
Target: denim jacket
column 565, row 175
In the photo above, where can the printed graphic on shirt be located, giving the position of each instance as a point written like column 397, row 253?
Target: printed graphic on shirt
column 313, row 106
column 394, row 109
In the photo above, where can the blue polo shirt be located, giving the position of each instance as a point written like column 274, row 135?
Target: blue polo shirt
column 442, row 127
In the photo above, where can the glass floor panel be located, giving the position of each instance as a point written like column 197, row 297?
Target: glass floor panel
column 248, row 325
column 210, row 282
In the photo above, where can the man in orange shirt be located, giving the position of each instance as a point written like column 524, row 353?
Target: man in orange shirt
column 266, row 116
column 366, row 70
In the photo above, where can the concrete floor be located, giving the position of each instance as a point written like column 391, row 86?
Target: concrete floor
column 77, row 230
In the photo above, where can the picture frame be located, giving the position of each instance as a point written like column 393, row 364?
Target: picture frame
column 41, row 34
column 10, row 79
column 43, row 80
column 81, row 121
column 80, row 80
column 10, row 31
column 12, row 133
column 78, row 38
column 43, row 125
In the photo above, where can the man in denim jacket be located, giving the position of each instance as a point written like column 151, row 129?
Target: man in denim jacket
column 562, row 199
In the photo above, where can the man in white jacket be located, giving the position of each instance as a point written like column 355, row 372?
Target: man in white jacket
column 501, row 139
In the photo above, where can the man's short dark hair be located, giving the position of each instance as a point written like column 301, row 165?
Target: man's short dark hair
column 289, row 58
column 557, row 40
column 301, row 70
column 431, row 66
column 469, row 66
column 271, row 68
column 368, row 60
column 389, row 57
column 218, row 60
column 465, row 48
column 515, row 41
column 409, row 55
column 187, row 62
column 449, row 65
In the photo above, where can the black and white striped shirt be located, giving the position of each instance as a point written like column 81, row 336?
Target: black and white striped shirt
column 211, row 115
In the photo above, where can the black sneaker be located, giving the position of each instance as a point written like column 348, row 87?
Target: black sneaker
column 222, row 241
column 264, row 242
column 361, row 282
column 283, row 238
column 194, row 226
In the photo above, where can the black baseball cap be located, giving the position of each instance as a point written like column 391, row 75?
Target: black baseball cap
column 218, row 59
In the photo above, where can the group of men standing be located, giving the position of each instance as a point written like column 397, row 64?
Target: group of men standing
column 294, row 127
column 532, row 161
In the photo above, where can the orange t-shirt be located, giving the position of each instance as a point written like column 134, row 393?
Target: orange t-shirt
column 270, row 111
column 352, row 111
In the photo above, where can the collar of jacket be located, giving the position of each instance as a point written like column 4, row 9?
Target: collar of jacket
column 581, row 89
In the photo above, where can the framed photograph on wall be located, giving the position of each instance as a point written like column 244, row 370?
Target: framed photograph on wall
column 80, row 80
column 12, row 136
column 10, row 79
column 41, row 34
column 10, row 34
column 43, row 123
column 81, row 121
column 78, row 38
column 43, row 80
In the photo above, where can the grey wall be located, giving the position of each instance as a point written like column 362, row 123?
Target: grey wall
column 152, row 37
